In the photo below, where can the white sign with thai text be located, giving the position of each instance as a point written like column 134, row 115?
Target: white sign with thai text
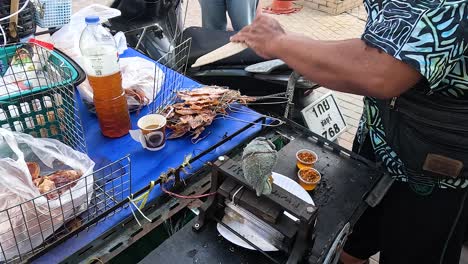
column 324, row 117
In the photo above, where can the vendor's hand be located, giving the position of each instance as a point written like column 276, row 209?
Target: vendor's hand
column 261, row 36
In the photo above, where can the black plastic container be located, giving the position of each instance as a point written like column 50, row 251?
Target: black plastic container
column 26, row 23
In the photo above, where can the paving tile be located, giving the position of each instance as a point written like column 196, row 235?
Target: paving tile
column 78, row 4
column 347, row 136
column 345, row 144
column 352, row 129
column 350, row 119
column 350, row 106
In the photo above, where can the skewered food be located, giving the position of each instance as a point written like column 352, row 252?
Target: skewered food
column 196, row 109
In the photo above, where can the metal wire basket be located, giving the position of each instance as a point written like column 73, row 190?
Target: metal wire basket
column 37, row 93
column 173, row 66
column 34, row 225
column 37, row 96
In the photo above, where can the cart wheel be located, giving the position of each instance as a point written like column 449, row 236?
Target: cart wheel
column 337, row 247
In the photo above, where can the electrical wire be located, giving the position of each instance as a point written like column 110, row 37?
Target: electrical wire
column 91, row 260
column 186, row 197
column 17, row 12
column 9, row 16
column 4, row 35
column 144, row 197
column 280, row 122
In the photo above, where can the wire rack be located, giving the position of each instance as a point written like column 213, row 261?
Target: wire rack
column 162, row 41
column 172, row 69
column 34, row 225
column 37, row 97
column 37, row 94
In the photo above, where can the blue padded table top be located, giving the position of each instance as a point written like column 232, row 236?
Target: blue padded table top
column 147, row 165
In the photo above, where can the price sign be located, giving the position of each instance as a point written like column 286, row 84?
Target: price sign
column 324, row 117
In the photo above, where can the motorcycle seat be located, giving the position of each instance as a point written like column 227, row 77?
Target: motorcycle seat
column 206, row 40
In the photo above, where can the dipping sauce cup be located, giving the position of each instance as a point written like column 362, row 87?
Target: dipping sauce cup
column 309, row 178
column 306, row 158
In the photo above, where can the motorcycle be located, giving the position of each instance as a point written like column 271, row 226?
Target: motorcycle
column 155, row 28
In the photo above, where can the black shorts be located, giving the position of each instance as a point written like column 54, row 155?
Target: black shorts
column 409, row 228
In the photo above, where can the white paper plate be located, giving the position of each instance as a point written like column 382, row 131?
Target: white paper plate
column 284, row 182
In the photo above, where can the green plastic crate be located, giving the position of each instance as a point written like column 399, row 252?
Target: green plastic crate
column 47, row 109
column 4, row 58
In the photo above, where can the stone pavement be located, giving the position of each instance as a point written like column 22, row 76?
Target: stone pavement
column 78, row 4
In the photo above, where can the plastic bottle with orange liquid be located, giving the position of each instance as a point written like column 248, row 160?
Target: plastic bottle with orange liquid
column 101, row 63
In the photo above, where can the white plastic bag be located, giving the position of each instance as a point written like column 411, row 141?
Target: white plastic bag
column 138, row 76
column 26, row 223
column 67, row 38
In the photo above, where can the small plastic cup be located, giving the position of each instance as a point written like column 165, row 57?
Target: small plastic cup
column 308, row 186
column 303, row 164
column 153, row 128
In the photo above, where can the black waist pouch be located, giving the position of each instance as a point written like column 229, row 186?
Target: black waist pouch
column 429, row 133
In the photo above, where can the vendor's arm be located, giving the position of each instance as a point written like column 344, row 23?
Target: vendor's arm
column 356, row 66
column 348, row 66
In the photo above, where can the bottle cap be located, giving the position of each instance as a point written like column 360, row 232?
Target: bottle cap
column 92, row 19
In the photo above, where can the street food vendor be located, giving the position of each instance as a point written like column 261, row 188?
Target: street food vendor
column 411, row 64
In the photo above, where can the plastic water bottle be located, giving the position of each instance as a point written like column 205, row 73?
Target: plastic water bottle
column 101, row 63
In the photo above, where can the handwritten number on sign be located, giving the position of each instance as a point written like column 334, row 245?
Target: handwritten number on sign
column 331, row 132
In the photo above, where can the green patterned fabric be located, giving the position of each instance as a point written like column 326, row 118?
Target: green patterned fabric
column 429, row 35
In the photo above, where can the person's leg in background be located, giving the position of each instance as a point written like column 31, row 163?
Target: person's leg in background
column 214, row 14
column 366, row 233
column 241, row 12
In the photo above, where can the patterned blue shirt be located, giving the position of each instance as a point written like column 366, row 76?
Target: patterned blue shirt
column 429, row 35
